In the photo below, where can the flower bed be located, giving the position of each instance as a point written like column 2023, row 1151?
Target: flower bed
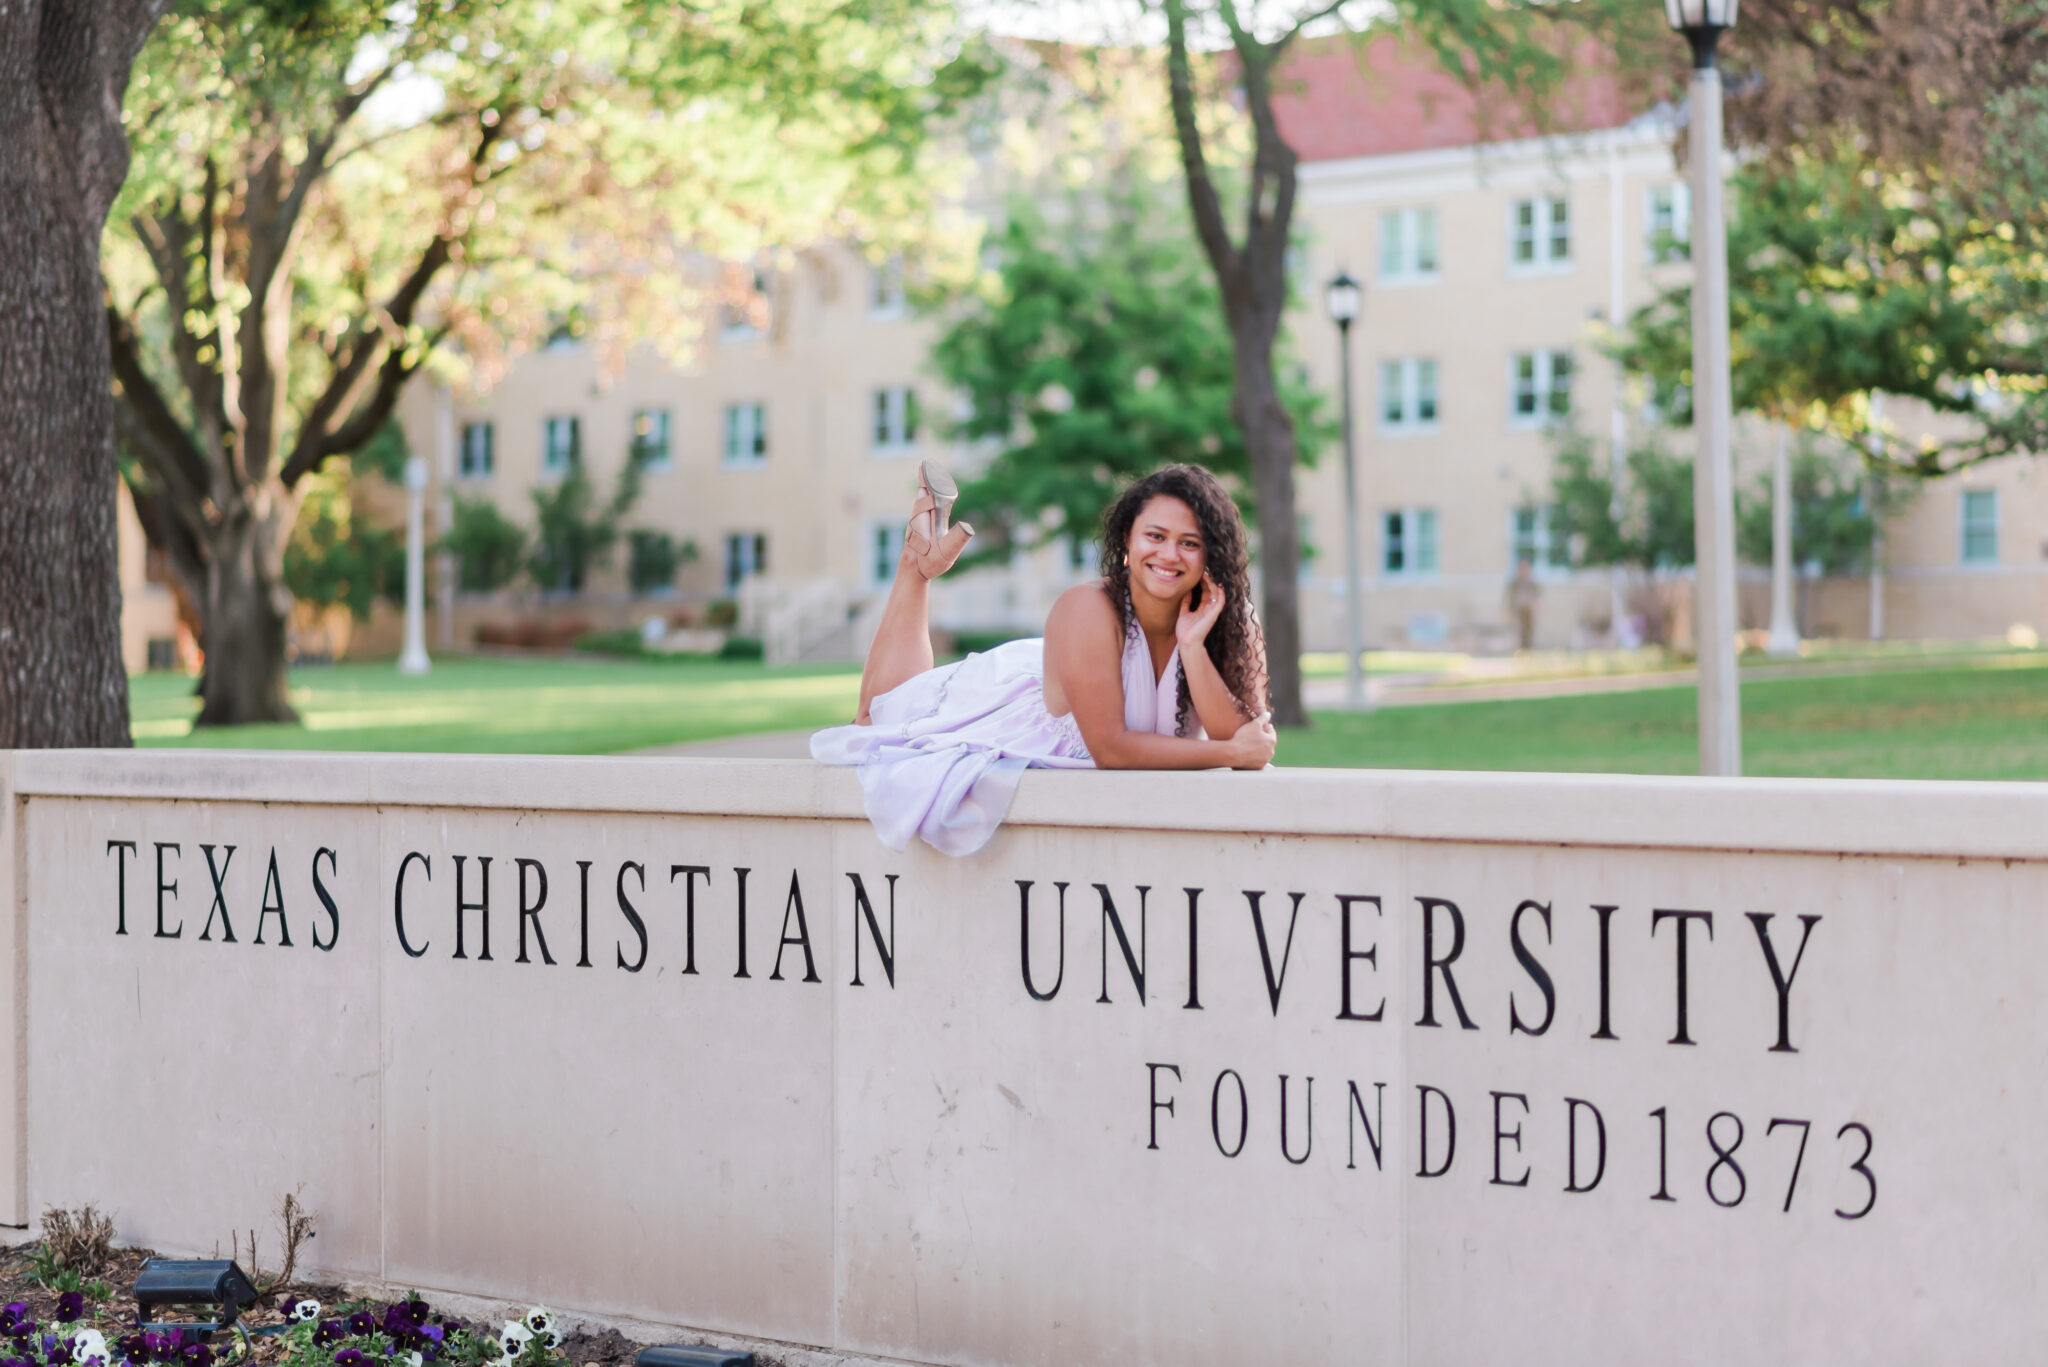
column 57, row 1319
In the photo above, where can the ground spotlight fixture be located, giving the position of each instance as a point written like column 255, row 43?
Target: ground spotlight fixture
column 692, row 1355
column 1701, row 21
column 215, row 1282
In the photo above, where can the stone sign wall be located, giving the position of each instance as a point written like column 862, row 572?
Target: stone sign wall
column 1373, row 1068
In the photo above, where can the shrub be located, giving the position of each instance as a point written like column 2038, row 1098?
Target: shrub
column 741, row 648
column 487, row 545
column 653, row 559
column 79, row 1241
column 723, row 612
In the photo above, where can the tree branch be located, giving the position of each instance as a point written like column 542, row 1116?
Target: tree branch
column 160, row 441
column 1203, row 201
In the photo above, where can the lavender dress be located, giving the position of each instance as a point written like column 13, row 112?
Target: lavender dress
column 946, row 748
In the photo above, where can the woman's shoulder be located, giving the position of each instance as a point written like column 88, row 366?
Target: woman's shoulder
column 1083, row 604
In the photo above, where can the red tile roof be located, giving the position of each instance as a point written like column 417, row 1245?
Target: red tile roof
column 1336, row 97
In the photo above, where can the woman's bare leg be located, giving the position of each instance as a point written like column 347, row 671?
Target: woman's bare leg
column 902, row 648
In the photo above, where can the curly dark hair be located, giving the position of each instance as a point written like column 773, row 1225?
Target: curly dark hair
column 1236, row 643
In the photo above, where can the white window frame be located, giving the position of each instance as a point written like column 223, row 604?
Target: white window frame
column 1542, row 385
column 1421, row 530
column 570, row 423
column 737, row 569
column 1550, row 556
column 1548, row 215
column 1965, row 526
column 470, row 463
column 1413, row 380
column 667, row 459
column 1402, row 231
column 886, row 296
column 743, row 435
column 893, row 419
column 1674, row 216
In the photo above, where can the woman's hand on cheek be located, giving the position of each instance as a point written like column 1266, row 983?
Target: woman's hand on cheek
column 1192, row 627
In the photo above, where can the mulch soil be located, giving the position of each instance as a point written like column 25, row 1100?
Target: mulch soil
column 584, row 1347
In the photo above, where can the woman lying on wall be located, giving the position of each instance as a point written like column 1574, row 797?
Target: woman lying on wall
column 1137, row 669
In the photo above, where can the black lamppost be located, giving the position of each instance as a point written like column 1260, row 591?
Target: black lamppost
column 1714, row 621
column 1343, row 296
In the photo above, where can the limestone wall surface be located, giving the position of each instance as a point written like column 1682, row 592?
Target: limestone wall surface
column 1297, row 1066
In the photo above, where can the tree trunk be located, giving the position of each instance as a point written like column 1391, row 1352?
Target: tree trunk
column 63, row 71
column 1269, row 444
column 248, row 620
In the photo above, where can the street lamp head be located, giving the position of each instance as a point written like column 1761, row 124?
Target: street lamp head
column 1343, row 296
column 1687, row 15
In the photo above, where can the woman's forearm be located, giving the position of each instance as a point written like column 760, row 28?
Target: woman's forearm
column 1215, row 705
column 1144, row 750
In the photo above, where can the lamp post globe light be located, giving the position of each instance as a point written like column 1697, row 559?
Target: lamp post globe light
column 1714, row 622
column 1343, row 295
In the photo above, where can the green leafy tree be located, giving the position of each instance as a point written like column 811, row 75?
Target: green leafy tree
column 1519, row 52
column 1646, row 527
column 489, row 547
column 334, row 558
column 1832, row 524
column 573, row 533
column 1094, row 353
column 1846, row 281
column 654, row 557
column 330, row 196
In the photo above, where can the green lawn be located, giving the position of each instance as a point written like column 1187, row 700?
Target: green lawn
column 1984, row 718
column 1984, row 721
column 555, row 707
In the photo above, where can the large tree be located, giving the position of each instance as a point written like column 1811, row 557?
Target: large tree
column 1848, row 280
column 64, row 67
column 332, row 193
column 1513, row 54
column 1094, row 354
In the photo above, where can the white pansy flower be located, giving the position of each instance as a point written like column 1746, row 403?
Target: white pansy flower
column 303, row 1311
column 515, row 1333
column 89, row 1345
column 541, row 1320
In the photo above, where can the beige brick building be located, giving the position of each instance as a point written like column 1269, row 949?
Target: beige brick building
column 786, row 454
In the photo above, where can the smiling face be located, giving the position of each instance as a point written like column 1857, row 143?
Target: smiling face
column 1166, row 553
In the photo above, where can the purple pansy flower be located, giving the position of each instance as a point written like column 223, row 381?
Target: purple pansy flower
column 70, row 1306
column 362, row 1322
column 330, row 1331
column 350, row 1357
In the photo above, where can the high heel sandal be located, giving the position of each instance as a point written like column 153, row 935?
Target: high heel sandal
column 935, row 546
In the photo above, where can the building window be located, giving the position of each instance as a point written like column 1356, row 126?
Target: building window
column 1542, row 232
column 884, row 545
column 885, row 288
column 1408, row 541
column 561, row 448
column 1533, row 543
column 1980, row 526
column 1408, row 245
column 895, row 418
column 479, row 455
column 649, row 447
column 1407, row 395
column 1670, row 225
column 1540, row 386
column 746, row 555
column 747, row 315
column 746, row 435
